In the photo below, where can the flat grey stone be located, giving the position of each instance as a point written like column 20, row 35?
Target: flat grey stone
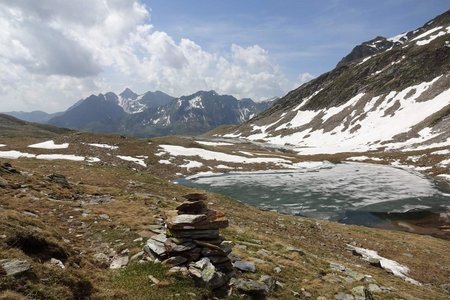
column 119, row 262
column 244, row 266
column 15, row 266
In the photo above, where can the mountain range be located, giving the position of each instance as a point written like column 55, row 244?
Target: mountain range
column 152, row 113
column 387, row 93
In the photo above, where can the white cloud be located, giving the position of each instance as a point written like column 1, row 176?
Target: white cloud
column 54, row 52
column 304, row 78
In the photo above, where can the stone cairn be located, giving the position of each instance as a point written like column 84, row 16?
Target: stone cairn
column 192, row 244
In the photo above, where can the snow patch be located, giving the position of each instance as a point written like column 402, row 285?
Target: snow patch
column 139, row 161
column 220, row 156
column 49, row 145
column 106, row 146
column 191, row 164
column 2, row 145
column 387, row 264
column 13, row 154
column 214, row 143
column 60, row 156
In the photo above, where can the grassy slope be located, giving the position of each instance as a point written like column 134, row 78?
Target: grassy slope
column 140, row 196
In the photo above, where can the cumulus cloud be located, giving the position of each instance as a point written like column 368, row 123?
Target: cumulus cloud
column 54, row 52
column 304, row 78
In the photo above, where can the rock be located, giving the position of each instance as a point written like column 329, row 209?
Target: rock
column 196, row 207
column 14, row 266
column 244, row 266
column 195, row 197
column 297, row 250
column 100, row 200
column 255, row 289
column 446, row 287
column 137, row 256
column 153, row 247
column 178, row 271
column 195, row 234
column 154, row 279
column 174, row 261
column 104, row 217
column 58, row 178
column 57, row 262
column 102, row 258
column 279, row 285
column 343, row 296
column 277, row 269
column 358, row 291
column 8, row 168
column 373, row 288
column 216, row 280
column 3, row 183
column 215, row 260
column 119, row 262
column 269, row 281
column 211, row 220
column 174, row 248
column 263, row 252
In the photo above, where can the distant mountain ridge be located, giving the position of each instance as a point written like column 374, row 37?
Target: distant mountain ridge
column 157, row 113
column 387, row 93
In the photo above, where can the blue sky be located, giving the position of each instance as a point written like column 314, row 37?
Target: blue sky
column 53, row 52
column 301, row 36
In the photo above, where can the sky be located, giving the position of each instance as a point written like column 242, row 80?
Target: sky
column 55, row 52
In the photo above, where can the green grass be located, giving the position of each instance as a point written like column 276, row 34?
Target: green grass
column 134, row 280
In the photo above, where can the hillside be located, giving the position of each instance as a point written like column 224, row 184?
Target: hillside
column 67, row 231
column 388, row 93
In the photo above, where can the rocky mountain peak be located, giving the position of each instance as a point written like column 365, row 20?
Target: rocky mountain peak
column 128, row 94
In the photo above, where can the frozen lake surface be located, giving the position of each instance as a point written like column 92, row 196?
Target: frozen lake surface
column 338, row 192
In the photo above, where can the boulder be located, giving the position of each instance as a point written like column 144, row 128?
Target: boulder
column 255, row 289
column 244, row 266
column 14, row 267
column 58, row 178
column 3, row 183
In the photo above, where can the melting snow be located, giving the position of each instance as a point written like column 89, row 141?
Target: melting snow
column 2, row 145
column 191, row 164
column 367, row 129
column 60, row 156
column 444, row 176
column 104, row 146
column 220, row 156
column 93, row 159
column 441, row 152
column 49, row 145
column 196, row 102
column 136, row 160
column 387, row 264
column 444, row 163
column 362, row 158
column 13, row 154
column 165, row 162
column 214, row 143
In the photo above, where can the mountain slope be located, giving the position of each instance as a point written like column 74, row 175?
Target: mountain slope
column 13, row 127
column 36, row 116
column 395, row 95
column 157, row 114
column 96, row 113
column 193, row 114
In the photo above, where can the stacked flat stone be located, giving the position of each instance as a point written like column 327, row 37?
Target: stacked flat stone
column 192, row 240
